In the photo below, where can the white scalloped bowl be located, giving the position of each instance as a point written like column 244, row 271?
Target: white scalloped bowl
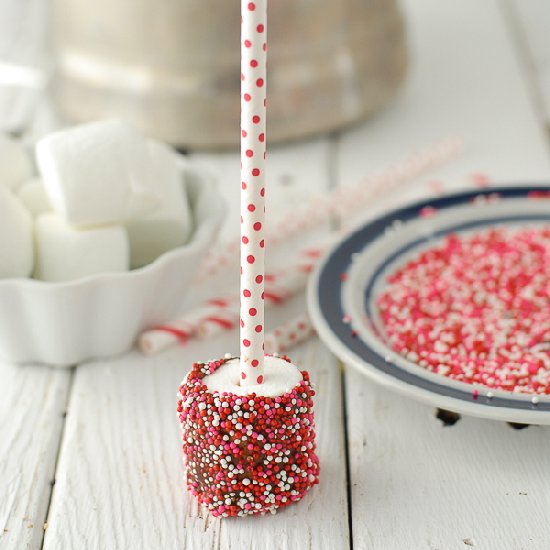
column 63, row 324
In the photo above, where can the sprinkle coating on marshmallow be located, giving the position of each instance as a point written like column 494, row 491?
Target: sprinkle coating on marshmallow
column 247, row 454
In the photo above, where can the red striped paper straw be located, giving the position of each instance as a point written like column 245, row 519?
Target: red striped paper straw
column 183, row 329
column 289, row 334
column 253, row 115
column 277, row 292
column 222, row 313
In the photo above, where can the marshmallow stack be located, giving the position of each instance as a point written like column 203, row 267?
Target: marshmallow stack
column 106, row 200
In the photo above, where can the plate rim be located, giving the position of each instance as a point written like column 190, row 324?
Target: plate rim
column 479, row 406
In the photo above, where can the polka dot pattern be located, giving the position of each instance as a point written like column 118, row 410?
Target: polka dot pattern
column 253, row 149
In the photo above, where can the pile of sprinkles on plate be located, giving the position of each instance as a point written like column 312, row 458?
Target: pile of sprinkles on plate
column 476, row 308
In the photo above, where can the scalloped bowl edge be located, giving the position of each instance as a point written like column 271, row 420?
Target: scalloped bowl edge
column 98, row 316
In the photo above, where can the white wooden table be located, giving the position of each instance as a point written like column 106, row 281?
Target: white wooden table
column 90, row 456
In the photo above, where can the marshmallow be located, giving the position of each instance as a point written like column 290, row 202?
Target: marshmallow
column 248, row 449
column 16, row 253
column 98, row 173
column 15, row 163
column 170, row 224
column 64, row 253
column 280, row 377
column 34, row 198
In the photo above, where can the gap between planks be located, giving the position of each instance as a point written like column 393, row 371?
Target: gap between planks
column 70, row 382
column 119, row 481
column 349, row 480
column 33, row 401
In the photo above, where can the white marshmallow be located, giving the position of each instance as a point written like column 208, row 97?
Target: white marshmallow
column 170, row 224
column 98, row 173
column 64, row 253
column 16, row 251
column 16, row 164
column 279, row 378
column 34, row 198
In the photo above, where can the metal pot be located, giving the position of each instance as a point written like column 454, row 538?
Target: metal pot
column 172, row 66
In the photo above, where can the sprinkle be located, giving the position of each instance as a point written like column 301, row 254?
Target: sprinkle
column 476, row 309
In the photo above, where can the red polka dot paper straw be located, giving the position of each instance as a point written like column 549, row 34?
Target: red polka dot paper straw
column 253, row 124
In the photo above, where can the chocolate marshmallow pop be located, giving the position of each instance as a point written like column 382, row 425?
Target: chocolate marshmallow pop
column 247, row 423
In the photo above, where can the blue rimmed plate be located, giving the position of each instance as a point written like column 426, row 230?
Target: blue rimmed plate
column 343, row 291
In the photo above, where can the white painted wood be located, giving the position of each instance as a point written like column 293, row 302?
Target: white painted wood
column 534, row 22
column 420, row 485
column 31, row 419
column 120, row 476
column 415, row 484
column 465, row 79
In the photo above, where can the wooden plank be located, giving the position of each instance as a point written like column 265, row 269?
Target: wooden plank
column 31, row 421
column 120, row 481
column 415, row 484
column 120, row 477
column 534, row 26
column 420, row 485
column 465, row 80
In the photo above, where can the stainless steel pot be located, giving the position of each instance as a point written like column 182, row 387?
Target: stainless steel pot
column 172, row 66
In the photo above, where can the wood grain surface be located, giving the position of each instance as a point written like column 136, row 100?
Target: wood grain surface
column 32, row 411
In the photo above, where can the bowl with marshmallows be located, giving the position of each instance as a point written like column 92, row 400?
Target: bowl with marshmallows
column 101, row 241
